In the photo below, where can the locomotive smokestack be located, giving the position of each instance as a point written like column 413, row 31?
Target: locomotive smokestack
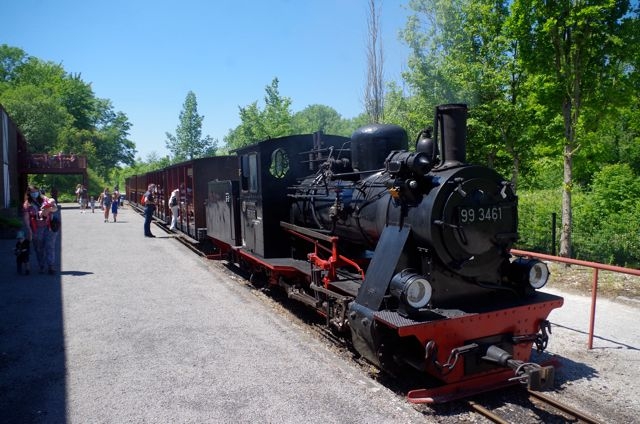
column 451, row 128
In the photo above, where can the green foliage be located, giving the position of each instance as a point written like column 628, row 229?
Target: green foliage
column 615, row 189
column 409, row 112
column 544, row 172
column 609, row 238
column 10, row 223
column 463, row 52
column 40, row 117
column 58, row 112
column 257, row 125
column 319, row 118
column 606, row 224
column 535, row 210
column 188, row 142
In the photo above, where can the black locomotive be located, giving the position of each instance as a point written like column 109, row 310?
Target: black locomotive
column 405, row 252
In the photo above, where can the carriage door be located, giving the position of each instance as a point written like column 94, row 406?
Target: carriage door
column 251, row 206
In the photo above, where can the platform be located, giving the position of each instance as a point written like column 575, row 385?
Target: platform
column 136, row 329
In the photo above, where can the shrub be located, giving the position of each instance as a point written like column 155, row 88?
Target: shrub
column 535, row 209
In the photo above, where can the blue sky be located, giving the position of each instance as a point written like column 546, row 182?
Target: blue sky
column 146, row 55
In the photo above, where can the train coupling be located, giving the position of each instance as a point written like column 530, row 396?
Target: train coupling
column 540, row 339
column 535, row 376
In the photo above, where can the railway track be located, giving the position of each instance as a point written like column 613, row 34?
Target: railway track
column 563, row 412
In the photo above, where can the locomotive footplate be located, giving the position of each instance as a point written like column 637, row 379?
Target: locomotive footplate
column 450, row 318
column 278, row 265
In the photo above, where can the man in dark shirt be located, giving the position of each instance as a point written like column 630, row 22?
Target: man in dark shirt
column 149, row 208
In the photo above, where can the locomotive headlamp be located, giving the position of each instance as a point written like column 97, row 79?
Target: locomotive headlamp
column 532, row 271
column 412, row 289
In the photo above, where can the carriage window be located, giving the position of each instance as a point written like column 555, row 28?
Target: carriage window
column 279, row 163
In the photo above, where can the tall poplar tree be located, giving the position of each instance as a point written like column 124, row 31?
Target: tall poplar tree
column 374, row 91
column 188, row 142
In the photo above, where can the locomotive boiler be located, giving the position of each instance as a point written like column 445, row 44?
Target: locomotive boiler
column 450, row 222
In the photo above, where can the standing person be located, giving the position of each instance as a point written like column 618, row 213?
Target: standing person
column 92, row 202
column 174, row 204
column 105, row 203
column 116, row 192
column 114, row 206
column 37, row 213
column 78, row 188
column 149, row 208
column 83, row 198
column 54, row 193
column 22, row 253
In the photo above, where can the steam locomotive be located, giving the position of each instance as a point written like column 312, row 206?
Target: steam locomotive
column 407, row 253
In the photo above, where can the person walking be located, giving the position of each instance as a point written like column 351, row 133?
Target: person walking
column 149, row 208
column 78, row 188
column 174, row 204
column 114, row 206
column 83, row 198
column 116, row 192
column 37, row 213
column 105, row 203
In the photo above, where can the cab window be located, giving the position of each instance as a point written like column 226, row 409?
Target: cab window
column 250, row 173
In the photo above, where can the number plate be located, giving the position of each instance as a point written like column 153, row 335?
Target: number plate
column 477, row 214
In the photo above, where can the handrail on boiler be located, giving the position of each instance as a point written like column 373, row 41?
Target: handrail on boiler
column 594, row 289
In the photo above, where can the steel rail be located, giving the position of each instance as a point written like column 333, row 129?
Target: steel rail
column 564, row 408
column 486, row 413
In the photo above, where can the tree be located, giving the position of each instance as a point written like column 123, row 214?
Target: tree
column 188, row 143
column 408, row 111
column 580, row 41
column 257, row 125
column 374, row 91
column 320, row 118
column 40, row 117
column 57, row 111
column 11, row 58
column 463, row 53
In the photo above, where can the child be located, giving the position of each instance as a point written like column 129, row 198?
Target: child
column 93, row 205
column 22, row 253
column 114, row 206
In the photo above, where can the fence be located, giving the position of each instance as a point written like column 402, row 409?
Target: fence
column 594, row 288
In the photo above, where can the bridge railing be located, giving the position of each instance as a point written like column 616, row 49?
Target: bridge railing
column 57, row 161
